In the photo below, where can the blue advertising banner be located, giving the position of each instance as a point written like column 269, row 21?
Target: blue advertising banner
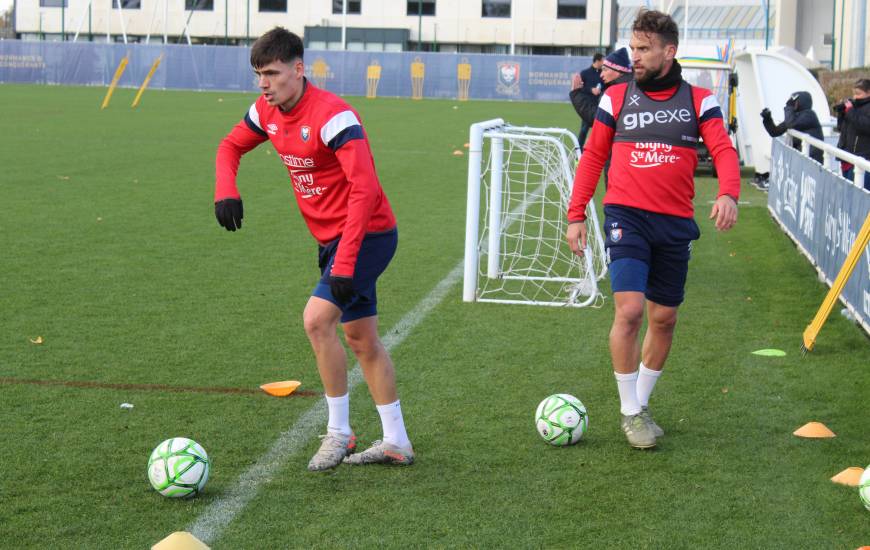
column 384, row 74
column 822, row 212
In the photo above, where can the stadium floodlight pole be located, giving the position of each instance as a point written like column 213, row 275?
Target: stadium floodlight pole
column 601, row 28
column 226, row 22
column 419, row 23
column 121, row 17
column 85, row 11
column 343, row 26
column 187, row 23
column 513, row 31
column 686, row 23
column 63, row 21
column 151, row 24
column 766, row 23
column 248, row 25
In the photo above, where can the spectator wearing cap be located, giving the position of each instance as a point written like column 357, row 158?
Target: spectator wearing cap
column 615, row 69
column 799, row 115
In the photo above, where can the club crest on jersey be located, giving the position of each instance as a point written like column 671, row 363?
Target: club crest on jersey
column 615, row 234
column 272, row 128
column 305, row 133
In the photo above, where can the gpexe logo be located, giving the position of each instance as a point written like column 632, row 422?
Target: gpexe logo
column 662, row 116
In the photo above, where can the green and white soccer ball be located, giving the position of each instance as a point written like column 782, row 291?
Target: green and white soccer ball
column 864, row 487
column 561, row 419
column 178, row 467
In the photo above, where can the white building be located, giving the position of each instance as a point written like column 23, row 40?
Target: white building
column 563, row 27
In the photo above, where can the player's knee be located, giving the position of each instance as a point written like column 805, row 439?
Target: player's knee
column 664, row 322
column 362, row 343
column 629, row 315
column 318, row 326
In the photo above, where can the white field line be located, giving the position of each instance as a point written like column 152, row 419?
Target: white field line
column 209, row 526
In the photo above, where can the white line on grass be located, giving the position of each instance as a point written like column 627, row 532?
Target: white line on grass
column 220, row 513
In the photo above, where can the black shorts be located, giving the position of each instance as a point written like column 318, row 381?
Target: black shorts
column 375, row 253
column 662, row 242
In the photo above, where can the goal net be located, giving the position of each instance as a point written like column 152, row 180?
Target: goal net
column 519, row 185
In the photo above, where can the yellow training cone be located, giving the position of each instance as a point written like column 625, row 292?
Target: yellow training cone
column 180, row 540
column 814, row 430
column 281, row 389
column 849, row 476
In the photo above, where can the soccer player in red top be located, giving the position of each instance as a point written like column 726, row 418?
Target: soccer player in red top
column 320, row 139
column 650, row 128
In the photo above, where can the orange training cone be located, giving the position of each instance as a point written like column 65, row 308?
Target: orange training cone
column 849, row 476
column 814, row 430
column 281, row 389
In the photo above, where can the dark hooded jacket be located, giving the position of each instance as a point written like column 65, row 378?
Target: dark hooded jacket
column 799, row 115
column 854, row 127
column 586, row 104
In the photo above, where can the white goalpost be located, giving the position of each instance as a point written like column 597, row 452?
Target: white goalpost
column 519, row 186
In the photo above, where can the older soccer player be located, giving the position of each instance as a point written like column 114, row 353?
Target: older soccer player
column 650, row 128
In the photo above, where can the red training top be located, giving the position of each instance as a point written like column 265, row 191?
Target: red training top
column 327, row 154
column 651, row 176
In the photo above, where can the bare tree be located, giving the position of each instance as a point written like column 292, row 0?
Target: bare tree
column 6, row 24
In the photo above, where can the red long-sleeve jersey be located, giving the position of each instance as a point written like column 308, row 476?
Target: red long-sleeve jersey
column 322, row 142
column 652, row 176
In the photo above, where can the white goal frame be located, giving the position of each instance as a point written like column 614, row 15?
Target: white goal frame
column 585, row 271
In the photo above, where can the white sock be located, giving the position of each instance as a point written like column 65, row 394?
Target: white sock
column 646, row 381
column 394, row 425
column 339, row 414
column 627, row 384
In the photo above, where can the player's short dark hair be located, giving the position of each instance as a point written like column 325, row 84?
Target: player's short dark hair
column 658, row 23
column 863, row 84
column 597, row 57
column 279, row 44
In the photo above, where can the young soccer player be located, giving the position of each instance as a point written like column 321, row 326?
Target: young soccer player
column 650, row 128
column 320, row 139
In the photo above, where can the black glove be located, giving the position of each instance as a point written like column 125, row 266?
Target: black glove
column 229, row 213
column 342, row 288
column 765, row 113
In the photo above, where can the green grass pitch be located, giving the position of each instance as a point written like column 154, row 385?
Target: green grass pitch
column 112, row 255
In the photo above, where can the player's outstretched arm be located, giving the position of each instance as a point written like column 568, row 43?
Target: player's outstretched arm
column 227, row 202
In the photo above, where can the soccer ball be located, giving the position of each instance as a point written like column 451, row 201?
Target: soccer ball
column 561, row 419
column 178, row 467
column 864, row 488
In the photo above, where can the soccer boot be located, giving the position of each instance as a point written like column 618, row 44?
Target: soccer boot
column 333, row 448
column 638, row 431
column 657, row 431
column 382, row 452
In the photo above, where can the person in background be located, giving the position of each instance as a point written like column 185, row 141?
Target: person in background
column 800, row 116
column 853, row 122
column 589, row 83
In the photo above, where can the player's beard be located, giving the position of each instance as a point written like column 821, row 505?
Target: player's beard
column 649, row 74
